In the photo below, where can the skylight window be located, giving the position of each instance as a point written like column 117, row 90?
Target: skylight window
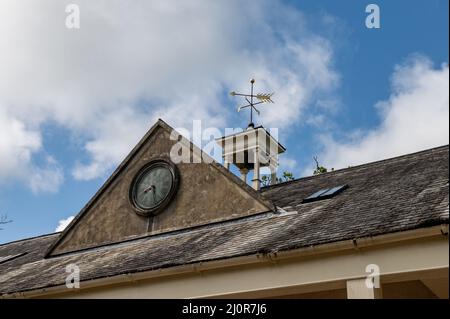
column 4, row 259
column 325, row 193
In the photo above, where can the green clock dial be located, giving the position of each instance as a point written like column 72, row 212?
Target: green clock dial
column 153, row 187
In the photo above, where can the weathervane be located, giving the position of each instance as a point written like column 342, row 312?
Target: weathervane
column 263, row 98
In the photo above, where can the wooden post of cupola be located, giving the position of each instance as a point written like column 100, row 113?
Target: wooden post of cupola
column 256, row 181
column 253, row 148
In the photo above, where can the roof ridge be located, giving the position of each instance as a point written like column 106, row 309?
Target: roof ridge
column 430, row 150
column 29, row 238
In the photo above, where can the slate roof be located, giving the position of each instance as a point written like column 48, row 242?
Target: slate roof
column 393, row 195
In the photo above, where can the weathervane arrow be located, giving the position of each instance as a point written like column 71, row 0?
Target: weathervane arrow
column 265, row 97
column 262, row 98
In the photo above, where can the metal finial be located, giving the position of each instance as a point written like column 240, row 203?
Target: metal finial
column 263, row 98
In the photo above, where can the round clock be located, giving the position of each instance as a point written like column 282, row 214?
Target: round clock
column 153, row 187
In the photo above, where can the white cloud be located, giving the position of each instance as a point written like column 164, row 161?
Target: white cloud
column 287, row 164
column 46, row 179
column 63, row 223
column 132, row 62
column 415, row 117
column 17, row 146
column 111, row 145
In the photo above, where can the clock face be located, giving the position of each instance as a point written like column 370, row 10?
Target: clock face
column 153, row 187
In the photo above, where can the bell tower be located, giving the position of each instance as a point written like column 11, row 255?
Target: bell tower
column 253, row 148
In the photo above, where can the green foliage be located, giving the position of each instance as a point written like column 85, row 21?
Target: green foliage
column 266, row 180
column 320, row 169
column 288, row 176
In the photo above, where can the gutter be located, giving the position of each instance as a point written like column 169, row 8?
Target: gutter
column 271, row 257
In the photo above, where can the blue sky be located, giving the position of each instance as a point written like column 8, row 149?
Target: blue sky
column 74, row 102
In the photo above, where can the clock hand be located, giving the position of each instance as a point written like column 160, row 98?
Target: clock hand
column 150, row 188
